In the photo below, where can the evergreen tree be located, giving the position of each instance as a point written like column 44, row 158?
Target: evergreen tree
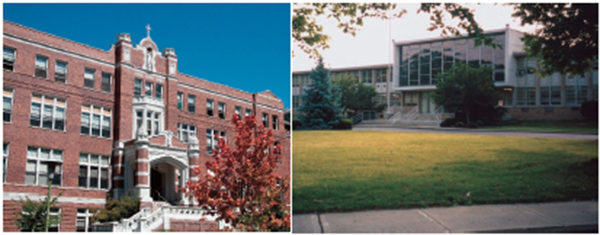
column 320, row 108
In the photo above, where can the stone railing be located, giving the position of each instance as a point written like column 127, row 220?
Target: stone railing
column 147, row 221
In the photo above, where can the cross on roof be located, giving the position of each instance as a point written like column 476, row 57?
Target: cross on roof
column 148, row 30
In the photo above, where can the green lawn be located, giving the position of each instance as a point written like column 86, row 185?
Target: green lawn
column 359, row 170
column 550, row 126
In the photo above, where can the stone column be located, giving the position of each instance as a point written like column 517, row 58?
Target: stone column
column 118, row 180
column 194, row 161
column 142, row 171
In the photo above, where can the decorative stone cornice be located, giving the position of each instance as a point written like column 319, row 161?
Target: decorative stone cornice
column 124, row 37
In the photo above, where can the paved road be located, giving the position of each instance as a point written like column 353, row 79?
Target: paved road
column 462, row 131
column 519, row 218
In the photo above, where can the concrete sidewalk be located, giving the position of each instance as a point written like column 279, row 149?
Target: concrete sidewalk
column 520, row 218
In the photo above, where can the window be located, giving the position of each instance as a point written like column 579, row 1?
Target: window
column 221, row 110
column 9, row 58
column 295, row 101
column 179, row 100
column 159, row 90
column 275, row 127
column 148, row 88
column 60, row 72
column 89, row 78
column 5, row 162
column 212, row 141
column 238, row 111
column 152, row 122
column 265, row 120
column 93, row 171
column 106, row 82
column 209, row 108
column 95, row 121
column 137, row 87
column 248, row 112
column 36, row 172
column 47, row 112
column 7, row 97
column 41, row 66
column 83, row 220
column 139, row 119
column 185, row 131
column 191, row 103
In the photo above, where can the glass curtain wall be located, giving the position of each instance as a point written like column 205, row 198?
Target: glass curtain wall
column 422, row 63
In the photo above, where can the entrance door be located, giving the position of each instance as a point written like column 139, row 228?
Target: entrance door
column 156, row 187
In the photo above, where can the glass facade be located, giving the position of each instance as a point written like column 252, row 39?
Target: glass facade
column 422, row 63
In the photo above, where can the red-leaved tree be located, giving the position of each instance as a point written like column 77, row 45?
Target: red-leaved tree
column 239, row 185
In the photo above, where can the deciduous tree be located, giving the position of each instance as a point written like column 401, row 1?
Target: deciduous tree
column 469, row 89
column 355, row 96
column 31, row 216
column 239, row 185
column 308, row 34
column 567, row 39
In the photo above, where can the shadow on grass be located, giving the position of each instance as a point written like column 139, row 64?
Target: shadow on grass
column 510, row 176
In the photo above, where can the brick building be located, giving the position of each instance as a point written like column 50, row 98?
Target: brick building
column 115, row 122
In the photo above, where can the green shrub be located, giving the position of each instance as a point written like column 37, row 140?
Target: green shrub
column 589, row 110
column 296, row 123
column 472, row 125
column 479, row 123
column 459, row 124
column 449, row 122
column 344, row 124
column 115, row 210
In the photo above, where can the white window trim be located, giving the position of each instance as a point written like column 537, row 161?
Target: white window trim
column 141, row 85
column 56, row 69
column 37, row 164
column 180, row 99
column 51, row 213
column 145, row 109
column 89, row 165
column 210, row 107
column 54, row 106
column 181, row 130
column 93, row 79
column 87, row 214
column 214, row 141
column 5, row 153
column 45, row 64
column 275, row 122
column 14, row 61
column 110, row 82
column 12, row 103
column 102, row 115
column 265, row 120
column 222, row 104
column 146, row 90
column 194, row 103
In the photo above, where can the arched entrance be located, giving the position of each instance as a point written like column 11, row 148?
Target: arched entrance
column 165, row 173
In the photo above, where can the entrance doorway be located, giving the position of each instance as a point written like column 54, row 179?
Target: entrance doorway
column 156, row 186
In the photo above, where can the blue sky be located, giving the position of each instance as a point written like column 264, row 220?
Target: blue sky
column 244, row 46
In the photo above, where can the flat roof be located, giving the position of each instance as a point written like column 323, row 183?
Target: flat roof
column 341, row 69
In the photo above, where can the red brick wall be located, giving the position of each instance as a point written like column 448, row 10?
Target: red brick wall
column 20, row 135
column 68, row 210
column 543, row 113
column 191, row 226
